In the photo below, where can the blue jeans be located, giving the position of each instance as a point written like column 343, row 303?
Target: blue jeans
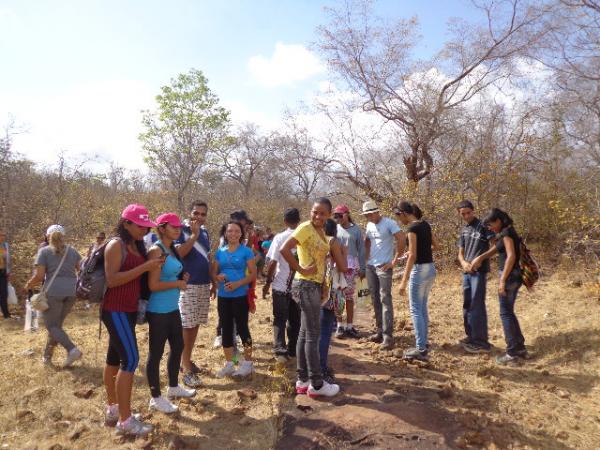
column 474, row 312
column 308, row 296
column 515, row 342
column 419, row 285
column 327, row 326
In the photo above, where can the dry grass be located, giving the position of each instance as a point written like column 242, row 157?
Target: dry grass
column 551, row 401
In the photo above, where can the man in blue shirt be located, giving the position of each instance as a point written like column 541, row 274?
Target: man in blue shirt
column 384, row 245
column 193, row 246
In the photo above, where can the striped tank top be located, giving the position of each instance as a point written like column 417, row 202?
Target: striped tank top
column 125, row 298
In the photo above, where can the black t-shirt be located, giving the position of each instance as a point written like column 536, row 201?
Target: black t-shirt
column 511, row 233
column 474, row 240
column 423, row 232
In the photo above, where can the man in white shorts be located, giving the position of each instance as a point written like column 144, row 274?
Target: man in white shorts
column 193, row 246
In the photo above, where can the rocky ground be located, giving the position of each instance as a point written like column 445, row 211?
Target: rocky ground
column 455, row 401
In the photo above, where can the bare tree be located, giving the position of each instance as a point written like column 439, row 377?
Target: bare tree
column 374, row 58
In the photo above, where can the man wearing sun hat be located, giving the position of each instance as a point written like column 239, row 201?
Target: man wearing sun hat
column 382, row 253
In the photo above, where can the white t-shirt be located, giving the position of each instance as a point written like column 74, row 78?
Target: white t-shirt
column 282, row 272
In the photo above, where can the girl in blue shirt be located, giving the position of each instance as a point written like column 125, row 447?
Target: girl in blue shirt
column 233, row 270
column 164, row 319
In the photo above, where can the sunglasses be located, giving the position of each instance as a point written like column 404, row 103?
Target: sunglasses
column 198, row 213
column 338, row 216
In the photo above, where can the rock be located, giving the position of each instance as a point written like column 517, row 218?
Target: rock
column 563, row 394
column 83, row 393
column 245, row 421
column 27, row 353
column 23, row 413
column 177, row 443
column 446, row 392
column 562, row 435
column 247, row 394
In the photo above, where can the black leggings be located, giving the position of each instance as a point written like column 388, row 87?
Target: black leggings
column 4, row 293
column 122, row 344
column 234, row 310
column 164, row 327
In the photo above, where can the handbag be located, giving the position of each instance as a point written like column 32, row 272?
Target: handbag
column 12, row 295
column 39, row 301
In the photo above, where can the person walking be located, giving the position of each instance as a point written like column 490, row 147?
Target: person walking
column 125, row 262
column 474, row 240
column 280, row 277
column 381, row 255
column 419, row 274
column 56, row 265
column 508, row 247
column 312, row 248
column 4, row 274
column 352, row 240
column 193, row 246
column 233, row 270
column 162, row 312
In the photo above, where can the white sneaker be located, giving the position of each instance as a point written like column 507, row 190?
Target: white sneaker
column 111, row 415
column 163, row 405
column 302, row 386
column 73, row 355
column 133, row 427
column 246, row 368
column 179, row 391
column 218, row 342
column 327, row 390
column 227, row 370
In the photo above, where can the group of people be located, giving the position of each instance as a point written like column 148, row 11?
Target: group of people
column 312, row 268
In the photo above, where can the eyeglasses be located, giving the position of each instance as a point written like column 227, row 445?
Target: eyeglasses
column 198, row 213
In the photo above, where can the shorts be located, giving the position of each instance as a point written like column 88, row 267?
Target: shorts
column 122, row 343
column 193, row 305
column 351, row 281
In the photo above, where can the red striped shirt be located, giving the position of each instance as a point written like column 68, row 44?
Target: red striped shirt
column 125, row 298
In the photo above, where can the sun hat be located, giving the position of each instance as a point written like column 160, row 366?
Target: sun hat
column 341, row 209
column 170, row 218
column 369, row 207
column 137, row 214
column 54, row 228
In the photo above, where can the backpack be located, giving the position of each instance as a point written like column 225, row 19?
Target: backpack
column 91, row 281
column 530, row 269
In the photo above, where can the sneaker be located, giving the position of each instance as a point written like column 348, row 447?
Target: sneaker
column 339, row 333
column 194, row 368
column 133, row 427
column 302, row 386
column 192, row 380
column 415, row 353
column 73, row 355
column 472, row 348
column 506, row 359
column 523, row 354
column 163, row 405
column 218, row 342
column 327, row 390
column 246, row 369
column 329, row 375
column 47, row 356
column 463, row 341
column 352, row 333
column 388, row 343
column 111, row 415
column 377, row 338
column 179, row 391
column 227, row 370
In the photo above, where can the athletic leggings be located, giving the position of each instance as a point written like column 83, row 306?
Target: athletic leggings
column 234, row 310
column 164, row 327
column 122, row 344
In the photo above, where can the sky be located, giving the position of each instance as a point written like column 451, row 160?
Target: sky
column 76, row 74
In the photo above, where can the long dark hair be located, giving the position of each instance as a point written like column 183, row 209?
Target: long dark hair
column 497, row 214
column 409, row 208
column 122, row 233
column 331, row 228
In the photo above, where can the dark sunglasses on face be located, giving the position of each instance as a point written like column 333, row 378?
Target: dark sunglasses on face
column 338, row 216
column 198, row 213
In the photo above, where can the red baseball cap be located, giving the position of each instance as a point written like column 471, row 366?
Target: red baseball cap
column 170, row 218
column 341, row 209
column 137, row 214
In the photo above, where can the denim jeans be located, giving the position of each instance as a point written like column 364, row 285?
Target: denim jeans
column 328, row 320
column 285, row 311
column 380, row 285
column 419, row 286
column 515, row 341
column 308, row 296
column 474, row 312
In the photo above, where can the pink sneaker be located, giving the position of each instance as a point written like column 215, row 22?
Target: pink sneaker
column 302, row 387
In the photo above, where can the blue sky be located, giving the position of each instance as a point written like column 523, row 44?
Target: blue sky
column 77, row 73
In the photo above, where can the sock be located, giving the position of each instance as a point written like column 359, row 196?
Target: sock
column 340, row 325
column 349, row 326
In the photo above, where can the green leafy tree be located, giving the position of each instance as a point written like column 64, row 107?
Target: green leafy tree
column 180, row 135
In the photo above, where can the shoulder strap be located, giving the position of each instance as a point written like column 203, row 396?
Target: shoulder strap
column 197, row 246
column 67, row 248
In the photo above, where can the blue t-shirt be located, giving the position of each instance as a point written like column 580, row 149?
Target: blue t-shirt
column 168, row 300
column 195, row 263
column 233, row 265
column 382, row 240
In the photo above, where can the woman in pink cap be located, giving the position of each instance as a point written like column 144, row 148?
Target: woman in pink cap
column 164, row 318
column 125, row 262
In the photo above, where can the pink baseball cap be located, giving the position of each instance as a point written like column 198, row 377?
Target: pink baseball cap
column 137, row 214
column 170, row 218
column 341, row 209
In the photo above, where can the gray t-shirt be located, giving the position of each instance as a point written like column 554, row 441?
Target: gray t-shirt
column 64, row 283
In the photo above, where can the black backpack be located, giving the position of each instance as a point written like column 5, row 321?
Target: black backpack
column 91, row 282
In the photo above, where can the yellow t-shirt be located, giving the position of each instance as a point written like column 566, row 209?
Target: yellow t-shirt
column 312, row 248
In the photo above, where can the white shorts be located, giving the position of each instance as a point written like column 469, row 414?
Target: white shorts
column 193, row 305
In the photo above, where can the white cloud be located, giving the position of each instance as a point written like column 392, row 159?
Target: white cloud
column 288, row 64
